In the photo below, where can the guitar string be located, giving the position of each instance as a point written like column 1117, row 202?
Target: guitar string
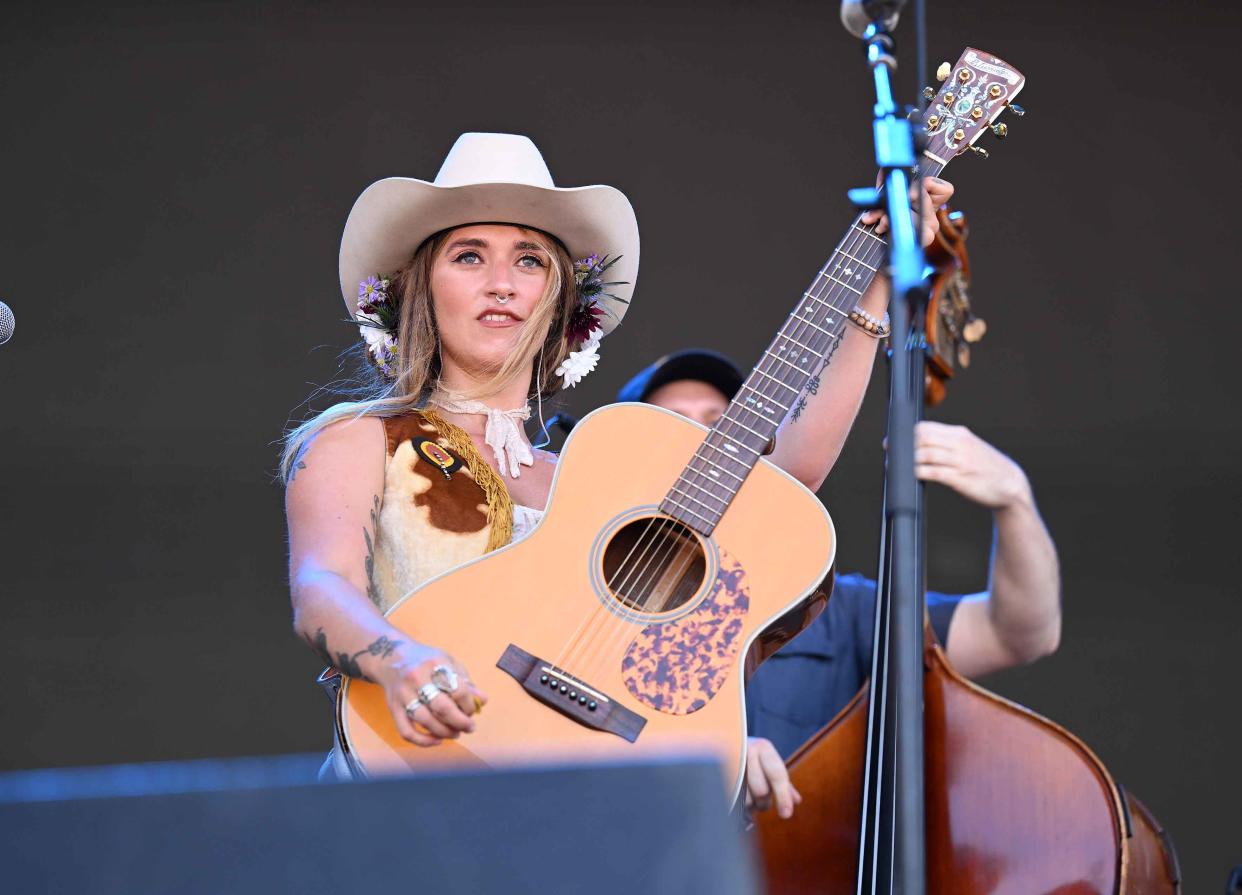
column 857, row 244
column 853, row 249
column 663, row 558
column 684, row 554
column 870, row 240
column 853, row 243
column 655, row 566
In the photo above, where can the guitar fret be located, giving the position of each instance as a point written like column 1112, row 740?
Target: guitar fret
column 869, row 233
column 823, row 301
column 780, row 382
column 783, row 361
column 746, row 427
column 830, row 335
column 722, row 469
column 710, row 482
column 690, row 511
column 755, row 408
column 739, row 444
column 800, row 345
column 840, row 283
column 857, row 260
column 753, row 412
column 689, row 496
column 767, row 398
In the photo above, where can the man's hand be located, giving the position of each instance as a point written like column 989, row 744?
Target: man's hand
column 767, row 779
column 957, row 457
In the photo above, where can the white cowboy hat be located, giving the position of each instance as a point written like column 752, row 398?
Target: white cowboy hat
column 489, row 178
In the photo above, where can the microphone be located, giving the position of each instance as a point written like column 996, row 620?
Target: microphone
column 8, row 323
column 856, row 15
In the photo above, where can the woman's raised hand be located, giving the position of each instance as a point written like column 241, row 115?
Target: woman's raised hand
column 936, row 192
column 429, row 694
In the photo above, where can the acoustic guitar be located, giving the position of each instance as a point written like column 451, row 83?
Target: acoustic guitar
column 671, row 557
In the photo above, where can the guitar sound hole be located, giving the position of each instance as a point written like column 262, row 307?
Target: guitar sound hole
column 654, row 564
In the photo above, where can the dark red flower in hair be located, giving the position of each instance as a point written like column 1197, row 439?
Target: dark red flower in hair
column 583, row 321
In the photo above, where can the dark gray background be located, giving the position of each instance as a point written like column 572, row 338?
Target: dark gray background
column 174, row 182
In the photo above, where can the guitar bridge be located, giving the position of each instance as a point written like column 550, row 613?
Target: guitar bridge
column 571, row 697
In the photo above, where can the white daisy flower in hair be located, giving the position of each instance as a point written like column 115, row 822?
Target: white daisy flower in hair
column 581, row 362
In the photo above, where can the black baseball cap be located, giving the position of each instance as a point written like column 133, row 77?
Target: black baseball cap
column 699, row 364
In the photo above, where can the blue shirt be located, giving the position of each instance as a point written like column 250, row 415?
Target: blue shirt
column 803, row 686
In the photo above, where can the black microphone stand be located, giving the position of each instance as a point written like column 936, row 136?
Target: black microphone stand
column 896, row 158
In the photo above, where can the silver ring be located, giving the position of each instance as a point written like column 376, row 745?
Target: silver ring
column 428, row 692
column 411, row 707
column 445, row 678
column 503, row 300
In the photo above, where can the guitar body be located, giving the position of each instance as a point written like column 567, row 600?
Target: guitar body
column 675, row 671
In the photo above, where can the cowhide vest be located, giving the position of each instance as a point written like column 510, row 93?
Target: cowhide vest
column 442, row 506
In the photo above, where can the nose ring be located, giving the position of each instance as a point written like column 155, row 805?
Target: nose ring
column 503, row 299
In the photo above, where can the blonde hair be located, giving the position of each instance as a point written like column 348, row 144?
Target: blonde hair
column 418, row 345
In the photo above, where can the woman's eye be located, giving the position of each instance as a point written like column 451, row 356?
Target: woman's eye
column 468, row 258
column 530, row 261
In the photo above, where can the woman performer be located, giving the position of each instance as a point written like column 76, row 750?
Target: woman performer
column 471, row 303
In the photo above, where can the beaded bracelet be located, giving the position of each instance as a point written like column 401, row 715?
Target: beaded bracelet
column 872, row 326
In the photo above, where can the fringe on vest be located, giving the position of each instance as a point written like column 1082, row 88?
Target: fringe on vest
column 499, row 502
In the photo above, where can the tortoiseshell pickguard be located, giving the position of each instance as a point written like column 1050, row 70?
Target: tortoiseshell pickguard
column 678, row 666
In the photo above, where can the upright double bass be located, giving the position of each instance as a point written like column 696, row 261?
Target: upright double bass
column 1013, row 802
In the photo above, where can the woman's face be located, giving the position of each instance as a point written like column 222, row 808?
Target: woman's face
column 486, row 280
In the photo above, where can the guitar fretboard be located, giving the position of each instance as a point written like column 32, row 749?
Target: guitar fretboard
column 792, row 362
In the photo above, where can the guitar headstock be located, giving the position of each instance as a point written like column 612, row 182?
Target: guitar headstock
column 951, row 325
column 974, row 93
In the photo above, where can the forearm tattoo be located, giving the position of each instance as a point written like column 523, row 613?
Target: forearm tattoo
column 372, row 590
column 812, row 386
column 344, row 662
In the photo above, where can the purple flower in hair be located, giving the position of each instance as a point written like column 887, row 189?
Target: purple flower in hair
column 372, row 289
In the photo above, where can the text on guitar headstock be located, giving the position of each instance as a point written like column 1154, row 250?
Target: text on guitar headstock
column 974, row 93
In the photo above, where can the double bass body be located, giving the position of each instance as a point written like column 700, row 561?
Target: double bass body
column 1014, row 804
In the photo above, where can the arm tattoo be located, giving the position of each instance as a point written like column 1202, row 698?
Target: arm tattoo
column 344, row 662
column 813, row 384
column 372, row 590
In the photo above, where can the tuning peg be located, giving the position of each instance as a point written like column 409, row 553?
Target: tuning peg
column 979, row 151
column 943, row 72
column 975, row 329
column 928, row 93
column 1000, row 131
column 1015, row 109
